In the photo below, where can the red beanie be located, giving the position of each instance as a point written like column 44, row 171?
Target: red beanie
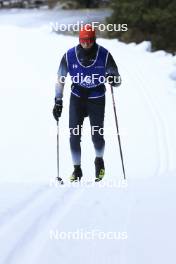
column 87, row 32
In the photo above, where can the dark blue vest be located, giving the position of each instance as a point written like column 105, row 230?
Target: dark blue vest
column 88, row 77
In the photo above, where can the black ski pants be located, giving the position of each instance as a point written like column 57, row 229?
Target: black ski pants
column 78, row 110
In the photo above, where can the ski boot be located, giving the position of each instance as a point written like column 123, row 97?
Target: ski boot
column 77, row 174
column 99, row 169
column 60, row 180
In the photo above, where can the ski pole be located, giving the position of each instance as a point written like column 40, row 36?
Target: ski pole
column 117, row 127
column 58, row 177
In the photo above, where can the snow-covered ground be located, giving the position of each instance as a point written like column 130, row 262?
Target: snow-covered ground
column 33, row 209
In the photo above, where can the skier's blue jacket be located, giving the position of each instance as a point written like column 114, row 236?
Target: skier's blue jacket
column 88, row 79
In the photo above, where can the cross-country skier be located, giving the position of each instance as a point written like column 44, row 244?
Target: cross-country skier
column 92, row 63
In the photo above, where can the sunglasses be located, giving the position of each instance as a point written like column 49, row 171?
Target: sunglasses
column 86, row 40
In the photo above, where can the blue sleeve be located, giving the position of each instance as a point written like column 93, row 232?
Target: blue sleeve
column 111, row 66
column 112, row 71
column 63, row 68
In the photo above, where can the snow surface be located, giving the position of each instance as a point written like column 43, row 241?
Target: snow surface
column 32, row 204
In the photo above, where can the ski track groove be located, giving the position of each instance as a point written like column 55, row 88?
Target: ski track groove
column 24, row 214
column 160, row 126
column 156, row 122
column 136, row 80
column 131, row 206
column 154, row 114
column 53, row 224
column 25, row 209
column 15, row 211
column 32, row 234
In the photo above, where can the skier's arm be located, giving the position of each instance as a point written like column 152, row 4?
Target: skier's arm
column 112, row 73
column 59, row 88
column 61, row 75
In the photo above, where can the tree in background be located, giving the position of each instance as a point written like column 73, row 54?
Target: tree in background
column 153, row 20
column 80, row 3
column 51, row 3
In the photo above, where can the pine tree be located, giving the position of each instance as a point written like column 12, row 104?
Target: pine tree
column 152, row 20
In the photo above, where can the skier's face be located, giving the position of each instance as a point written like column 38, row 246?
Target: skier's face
column 87, row 43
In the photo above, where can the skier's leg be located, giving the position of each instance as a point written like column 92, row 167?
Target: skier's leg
column 96, row 111
column 76, row 118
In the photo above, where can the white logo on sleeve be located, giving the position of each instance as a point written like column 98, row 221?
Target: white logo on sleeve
column 75, row 66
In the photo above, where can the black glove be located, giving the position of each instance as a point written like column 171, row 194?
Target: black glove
column 57, row 110
column 114, row 80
